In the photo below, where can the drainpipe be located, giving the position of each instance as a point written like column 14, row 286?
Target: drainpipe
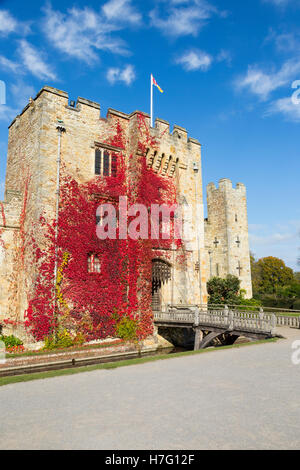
column 196, row 169
column 60, row 128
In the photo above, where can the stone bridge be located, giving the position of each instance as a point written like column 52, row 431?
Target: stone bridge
column 217, row 322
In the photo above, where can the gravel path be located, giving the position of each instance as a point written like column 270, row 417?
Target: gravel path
column 245, row 398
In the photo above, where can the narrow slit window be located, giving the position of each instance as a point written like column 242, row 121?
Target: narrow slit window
column 106, row 164
column 114, row 165
column 98, row 157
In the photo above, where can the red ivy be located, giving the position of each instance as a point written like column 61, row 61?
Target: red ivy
column 123, row 287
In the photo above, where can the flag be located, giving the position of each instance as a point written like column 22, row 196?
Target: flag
column 156, row 84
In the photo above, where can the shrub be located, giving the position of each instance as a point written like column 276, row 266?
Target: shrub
column 15, row 349
column 249, row 304
column 223, row 291
column 11, row 341
column 62, row 340
column 127, row 329
column 79, row 339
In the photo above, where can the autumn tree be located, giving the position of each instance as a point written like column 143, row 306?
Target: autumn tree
column 271, row 274
column 255, row 274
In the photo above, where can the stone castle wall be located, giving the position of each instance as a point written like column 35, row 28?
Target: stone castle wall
column 32, row 170
column 226, row 233
column 32, row 153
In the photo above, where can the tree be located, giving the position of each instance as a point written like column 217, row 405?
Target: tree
column 271, row 274
column 255, row 274
column 223, row 291
column 291, row 291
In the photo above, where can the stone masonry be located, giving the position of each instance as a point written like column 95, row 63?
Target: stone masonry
column 226, row 233
column 32, row 168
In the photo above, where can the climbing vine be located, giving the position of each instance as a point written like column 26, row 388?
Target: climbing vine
column 93, row 304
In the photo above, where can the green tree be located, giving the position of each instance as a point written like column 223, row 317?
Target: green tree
column 272, row 274
column 223, row 291
column 255, row 274
column 291, row 291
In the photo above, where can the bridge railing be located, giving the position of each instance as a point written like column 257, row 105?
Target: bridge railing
column 175, row 317
column 238, row 321
column 284, row 317
column 218, row 317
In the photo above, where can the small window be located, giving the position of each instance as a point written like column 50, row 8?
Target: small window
column 93, row 264
column 98, row 158
column 217, row 269
column 114, row 165
column 236, row 217
column 105, row 163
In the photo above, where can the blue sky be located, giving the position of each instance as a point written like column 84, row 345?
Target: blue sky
column 226, row 68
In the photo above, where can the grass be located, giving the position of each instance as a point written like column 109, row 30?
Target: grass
column 63, row 350
column 114, row 365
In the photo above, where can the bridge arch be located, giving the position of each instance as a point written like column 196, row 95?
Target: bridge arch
column 225, row 339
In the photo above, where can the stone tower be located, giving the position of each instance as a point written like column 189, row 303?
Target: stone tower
column 226, row 233
column 31, row 176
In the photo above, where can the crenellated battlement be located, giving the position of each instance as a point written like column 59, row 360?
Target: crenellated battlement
column 225, row 184
column 177, row 137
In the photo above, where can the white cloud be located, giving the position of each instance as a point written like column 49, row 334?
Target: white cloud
column 286, row 107
column 82, row 32
column 8, row 23
column 21, row 93
column 182, row 17
column 195, row 60
column 224, row 56
column 121, row 11
column 7, row 113
column 33, row 61
column 284, row 41
column 127, row 75
column 287, row 41
column 263, row 83
column 9, row 65
column 281, row 241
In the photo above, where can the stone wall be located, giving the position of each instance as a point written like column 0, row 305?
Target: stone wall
column 226, row 233
column 32, row 171
column 32, row 157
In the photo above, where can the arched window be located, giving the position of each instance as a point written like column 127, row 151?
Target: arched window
column 94, row 265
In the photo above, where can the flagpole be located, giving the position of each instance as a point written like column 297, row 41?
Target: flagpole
column 151, row 101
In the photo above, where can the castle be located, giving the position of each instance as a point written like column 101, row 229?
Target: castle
column 50, row 131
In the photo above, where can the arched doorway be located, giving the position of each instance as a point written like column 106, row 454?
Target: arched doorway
column 161, row 274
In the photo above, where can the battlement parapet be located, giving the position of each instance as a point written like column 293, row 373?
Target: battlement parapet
column 225, row 184
column 162, row 125
column 179, row 134
column 86, row 102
